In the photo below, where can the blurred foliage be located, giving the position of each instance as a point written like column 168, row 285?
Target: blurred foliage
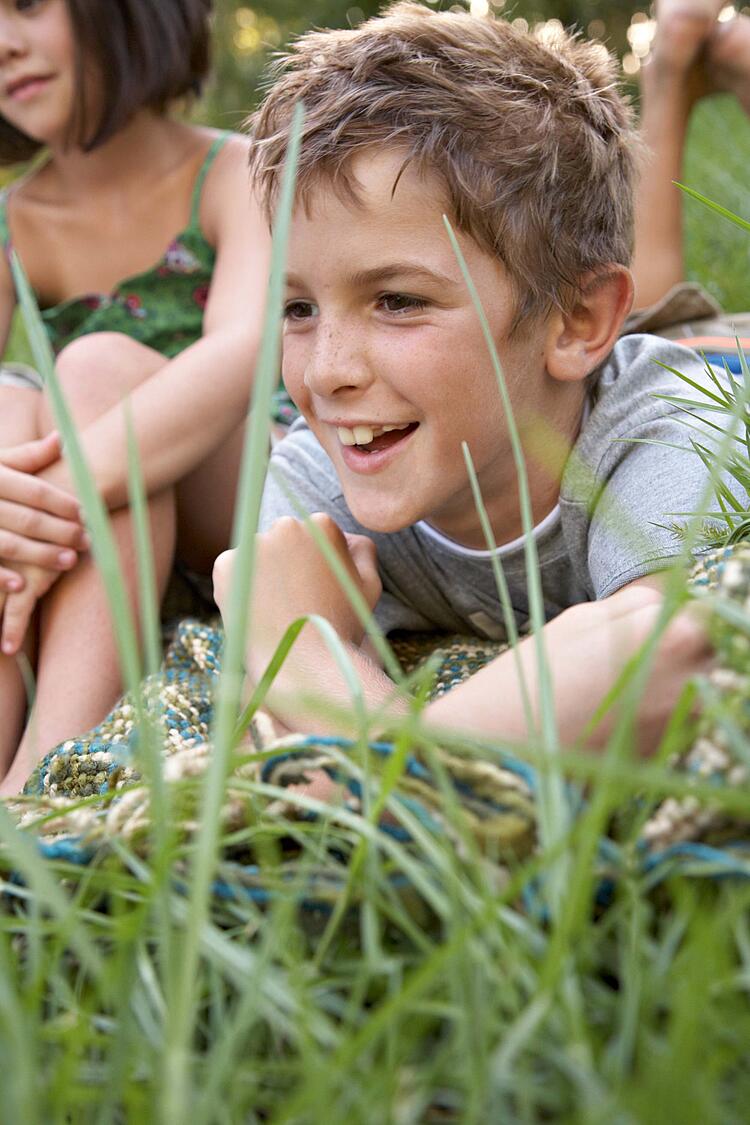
column 247, row 32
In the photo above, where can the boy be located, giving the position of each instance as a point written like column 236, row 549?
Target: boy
column 528, row 148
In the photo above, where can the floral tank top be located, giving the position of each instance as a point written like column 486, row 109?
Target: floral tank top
column 161, row 307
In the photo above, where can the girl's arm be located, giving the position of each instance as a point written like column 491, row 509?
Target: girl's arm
column 184, row 411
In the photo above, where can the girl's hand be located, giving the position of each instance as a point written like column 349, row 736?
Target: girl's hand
column 40, row 524
column 16, row 609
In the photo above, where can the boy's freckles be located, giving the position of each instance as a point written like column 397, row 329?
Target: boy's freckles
column 384, row 354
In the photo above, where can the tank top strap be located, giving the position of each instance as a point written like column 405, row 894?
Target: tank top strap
column 216, row 146
column 4, row 228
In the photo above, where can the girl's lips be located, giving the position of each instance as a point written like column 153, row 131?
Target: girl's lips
column 358, row 460
column 22, row 91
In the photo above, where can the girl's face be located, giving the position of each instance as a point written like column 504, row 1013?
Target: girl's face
column 37, row 69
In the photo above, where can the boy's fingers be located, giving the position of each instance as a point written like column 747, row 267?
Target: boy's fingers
column 631, row 599
column 330, row 529
column 365, row 558
column 16, row 616
column 222, row 575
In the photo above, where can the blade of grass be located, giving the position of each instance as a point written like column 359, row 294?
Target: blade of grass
column 554, row 814
column 715, row 207
column 103, row 546
column 177, row 1079
column 147, row 592
column 509, row 617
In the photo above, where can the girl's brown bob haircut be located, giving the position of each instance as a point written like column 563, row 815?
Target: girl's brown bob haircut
column 531, row 137
column 143, row 52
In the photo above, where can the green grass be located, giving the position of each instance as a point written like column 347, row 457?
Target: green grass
column 716, row 165
column 128, row 992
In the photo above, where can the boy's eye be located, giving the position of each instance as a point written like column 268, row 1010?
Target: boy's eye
column 401, row 302
column 299, row 310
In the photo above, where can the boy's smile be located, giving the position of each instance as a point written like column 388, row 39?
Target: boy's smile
column 384, row 355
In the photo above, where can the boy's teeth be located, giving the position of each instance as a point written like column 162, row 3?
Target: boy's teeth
column 363, row 435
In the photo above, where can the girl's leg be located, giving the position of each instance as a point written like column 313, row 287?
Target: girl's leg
column 673, row 79
column 18, row 423
column 78, row 676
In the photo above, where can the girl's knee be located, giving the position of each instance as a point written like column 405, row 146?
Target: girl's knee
column 106, row 353
column 98, row 370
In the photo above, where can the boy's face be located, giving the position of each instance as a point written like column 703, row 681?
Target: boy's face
column 384, row 355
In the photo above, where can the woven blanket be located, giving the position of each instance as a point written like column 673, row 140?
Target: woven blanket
column 88, row 794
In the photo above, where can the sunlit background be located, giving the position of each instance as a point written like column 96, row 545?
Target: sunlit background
column 246, row 33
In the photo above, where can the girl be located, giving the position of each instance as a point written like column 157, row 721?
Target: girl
column 140, row 240
column 694, row 53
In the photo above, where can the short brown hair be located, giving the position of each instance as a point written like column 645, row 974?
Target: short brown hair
column 146, row 52
column 529, row 133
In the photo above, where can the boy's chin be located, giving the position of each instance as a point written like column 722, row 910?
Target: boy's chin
column 382, row 521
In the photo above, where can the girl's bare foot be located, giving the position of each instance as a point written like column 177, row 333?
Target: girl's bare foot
column 728, row 59
column 679, row 52
column 683, row 28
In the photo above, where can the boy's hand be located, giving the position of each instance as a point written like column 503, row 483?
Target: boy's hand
column 293, row 579
column 591, row 644
column 40, row 524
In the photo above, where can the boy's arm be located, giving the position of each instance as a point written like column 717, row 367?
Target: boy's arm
column 292, row 579
column 587, row 647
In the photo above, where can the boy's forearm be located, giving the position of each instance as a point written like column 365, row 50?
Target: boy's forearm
column 490, row 703
column 311, row 694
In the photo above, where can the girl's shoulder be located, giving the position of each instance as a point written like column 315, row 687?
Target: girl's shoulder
column 223, row 180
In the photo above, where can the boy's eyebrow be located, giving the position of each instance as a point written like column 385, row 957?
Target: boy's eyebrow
column 378, row 275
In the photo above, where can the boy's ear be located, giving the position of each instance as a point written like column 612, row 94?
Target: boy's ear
column 578, row 340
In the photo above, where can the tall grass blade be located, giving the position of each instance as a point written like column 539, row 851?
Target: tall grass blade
column 554, row 813
column 715, row 207
column 148, row 595
column 103, row 545
column 509, row 617
column 177, row 1077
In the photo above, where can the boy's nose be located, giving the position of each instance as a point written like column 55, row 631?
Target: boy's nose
column 337, row 363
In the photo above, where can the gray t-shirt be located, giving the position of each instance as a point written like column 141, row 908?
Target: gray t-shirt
column 611, row 525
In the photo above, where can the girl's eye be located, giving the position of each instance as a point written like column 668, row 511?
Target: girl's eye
column 401, row 303
column 299, row 310
column 28, row 5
